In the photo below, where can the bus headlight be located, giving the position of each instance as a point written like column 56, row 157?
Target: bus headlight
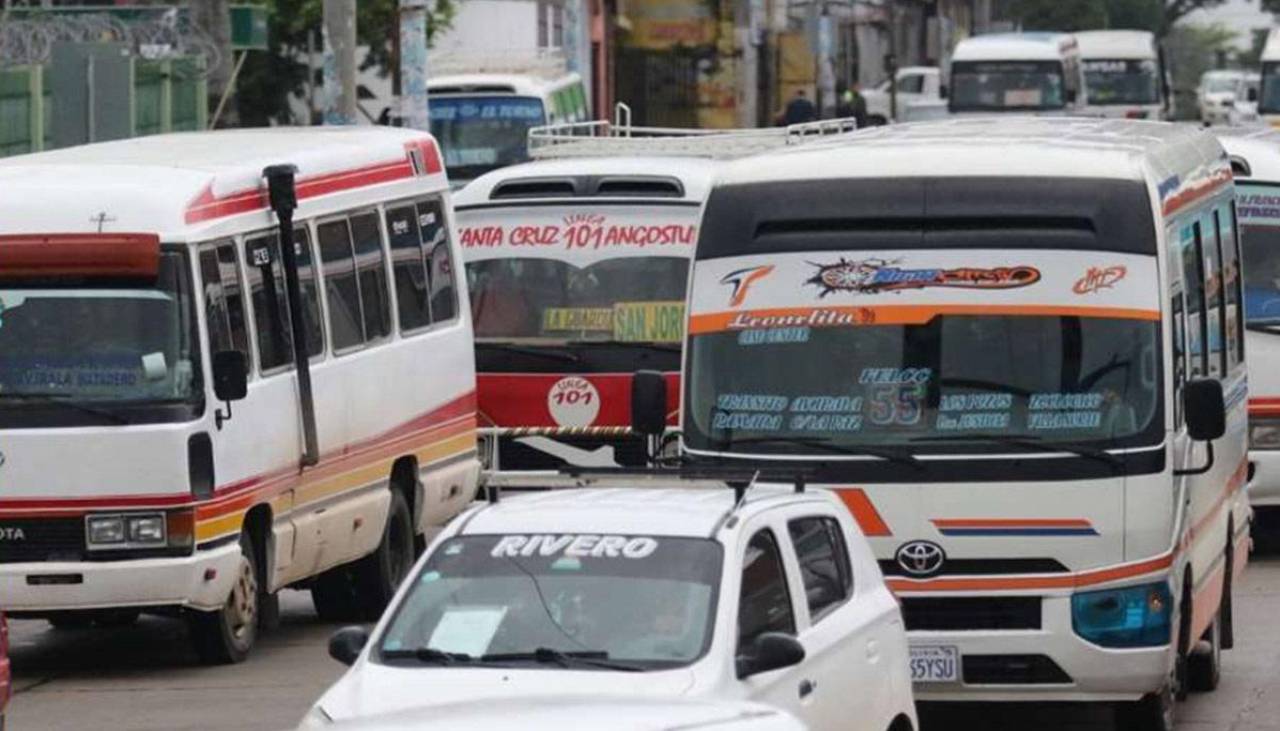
column 1264, row 433
column 105, row 530
column 1135, row 616
column 126, row 530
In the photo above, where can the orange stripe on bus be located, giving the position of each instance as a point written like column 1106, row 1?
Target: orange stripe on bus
column 901, row 314
column 866, row 515
column 1016, row 583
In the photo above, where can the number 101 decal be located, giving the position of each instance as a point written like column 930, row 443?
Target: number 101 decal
column 573, row 401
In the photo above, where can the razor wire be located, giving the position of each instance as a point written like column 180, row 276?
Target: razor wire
column 29, row 40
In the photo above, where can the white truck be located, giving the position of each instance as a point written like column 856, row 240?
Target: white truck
column 915, row 84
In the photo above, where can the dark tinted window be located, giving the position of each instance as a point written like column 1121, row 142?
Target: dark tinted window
column 371, row 267
column 311, row 315
column 435, row 240
column 1213, row 282
column 224, row 306
column 341, row 291
column 270, row 302
column 413, row 299
column 913, row 84
column 1231, row 286
column 765, row 604
column 824, row 562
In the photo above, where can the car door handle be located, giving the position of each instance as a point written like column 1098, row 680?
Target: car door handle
column 806, row 687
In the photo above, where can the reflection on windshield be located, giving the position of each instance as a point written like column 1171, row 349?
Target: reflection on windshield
column 1122, row 82
column 482, row 133
column 1007, row 85
column 629, row 299
column 649, row 601
column 1068, row 379
column 108, row 344
column 1261, row 251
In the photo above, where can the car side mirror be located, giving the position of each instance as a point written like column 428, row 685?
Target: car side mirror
column 230, row 381
column 770, row 651
column 649, row 403
column 346, row 644
column 1206, row 409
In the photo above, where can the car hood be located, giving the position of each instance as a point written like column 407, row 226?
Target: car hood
column 370, row 688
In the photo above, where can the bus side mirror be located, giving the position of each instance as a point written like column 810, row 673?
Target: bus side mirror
column 649, row 403
column 230, row 380
column 1205, row 408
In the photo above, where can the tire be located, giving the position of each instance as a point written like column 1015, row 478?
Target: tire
column 379, row 574
column 227, row 635
column 1154, row 712
column 1179, row 685
column 334, row 595
column 1204, row 664
column 1225, row 617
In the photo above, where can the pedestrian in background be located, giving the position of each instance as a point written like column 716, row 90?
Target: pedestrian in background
column 799, row 110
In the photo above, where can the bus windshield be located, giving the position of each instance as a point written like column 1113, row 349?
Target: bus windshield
column 1120, row 81
column 991, row 379
column 1258, row 208
column 103, row 343
column 1269, row 97
column 1007, row 85
column 483, row 133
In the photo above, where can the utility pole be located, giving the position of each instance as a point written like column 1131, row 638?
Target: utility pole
column 214, row 18
column 340, row 61
column 413, row 64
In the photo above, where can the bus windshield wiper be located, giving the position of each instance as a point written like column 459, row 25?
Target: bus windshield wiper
column 548, row 353
column 66, row 402
column 890, row 455
column 551, row 656
column 429, row 655
column 641, row 344
column 1036, row 444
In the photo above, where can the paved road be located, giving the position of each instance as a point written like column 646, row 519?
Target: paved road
column 144, row 678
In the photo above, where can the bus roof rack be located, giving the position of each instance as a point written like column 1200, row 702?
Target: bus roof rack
column 547, row 63
column 603, row 138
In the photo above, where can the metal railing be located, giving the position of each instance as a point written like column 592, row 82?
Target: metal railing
column 620, row 137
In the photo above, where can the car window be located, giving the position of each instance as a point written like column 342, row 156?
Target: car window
column 765, row 603
column 824, row 563
column 913, row 84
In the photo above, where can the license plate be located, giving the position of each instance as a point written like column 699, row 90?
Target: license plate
column 935, row 664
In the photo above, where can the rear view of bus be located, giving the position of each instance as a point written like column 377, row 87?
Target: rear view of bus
column 1014, row 379
column 1124, row 74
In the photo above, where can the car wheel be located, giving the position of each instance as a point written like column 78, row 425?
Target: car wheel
column 225, row 636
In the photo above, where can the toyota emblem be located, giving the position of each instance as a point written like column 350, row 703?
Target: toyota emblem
column 921, row 558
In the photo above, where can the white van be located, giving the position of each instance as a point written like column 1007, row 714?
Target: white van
column 1124, row 74
column 1255, row 158
column 1023, row 73
column 1007, row 345
column 1217, row 94
column 160, row 449
column 482, row 109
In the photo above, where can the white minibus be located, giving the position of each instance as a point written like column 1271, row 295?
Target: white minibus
column 1008, row 345
column 1022, row 73
column 161, row 448
column 1123, row 74
column 1269, row 92
column 1255, row 159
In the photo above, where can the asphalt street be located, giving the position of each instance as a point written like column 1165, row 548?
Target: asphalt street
column 145, row 678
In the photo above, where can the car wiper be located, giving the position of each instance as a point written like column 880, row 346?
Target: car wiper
column 429, row 655
column 559, row 355
column 827, row 445
column 66, row 402
column 1035, row 444
column 639, row 344
column 551, row 656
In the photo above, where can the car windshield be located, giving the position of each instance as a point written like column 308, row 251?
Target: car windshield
column 1120, row 81
column 1258, row 208
column 1219, row 84
column 99, row 342
column 629, row 299
column 646, row 601
column 1051, row 379
column 1269, row 97
column 1006, row 85
column 483, row 133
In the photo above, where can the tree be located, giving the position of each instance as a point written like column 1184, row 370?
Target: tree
column 1157, row 16
column 268, row 79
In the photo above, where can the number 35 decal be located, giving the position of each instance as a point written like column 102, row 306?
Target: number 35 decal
column 895, row 404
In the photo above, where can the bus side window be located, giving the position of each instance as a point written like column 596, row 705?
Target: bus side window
column 224, row 308
column 408, row 269
column 1234, row 286
column 371, row 267
column 311, row 315
column 270, row 302
column 1179, row 355
column 435, row 243
column 1213, row 282
column 346, row 324
column 1193, row 278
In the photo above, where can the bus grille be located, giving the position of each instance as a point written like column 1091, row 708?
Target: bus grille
column 1013, row 670
column 42, row 539
column 971, row 613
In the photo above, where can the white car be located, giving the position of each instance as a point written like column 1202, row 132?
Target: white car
column 651, row 594
column 916, row 84
column 1217, row 94
column 558, row 713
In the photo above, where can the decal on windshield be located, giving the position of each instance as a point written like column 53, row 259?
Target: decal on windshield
column 575, row 546
column 872, row 276
column 627, row 322
column 579, row 231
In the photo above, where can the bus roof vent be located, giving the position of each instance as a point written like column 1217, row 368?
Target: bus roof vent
column 535, row 188
column 640, row 186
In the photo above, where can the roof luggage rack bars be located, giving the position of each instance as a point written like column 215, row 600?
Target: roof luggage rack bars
column 603, row 138
column 738, row 478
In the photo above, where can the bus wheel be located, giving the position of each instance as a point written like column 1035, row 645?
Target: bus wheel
column 226, row 636
column 334, row 595
column 1153, row 713
column 379, row 574
column 1204, row 666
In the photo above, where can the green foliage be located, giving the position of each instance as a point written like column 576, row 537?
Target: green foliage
column 268, row 79
column 1190, row 51
column 1157, row 16
column 1062, row 15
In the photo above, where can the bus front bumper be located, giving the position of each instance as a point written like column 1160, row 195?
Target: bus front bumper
column 1048, row 664
column 200, row 581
